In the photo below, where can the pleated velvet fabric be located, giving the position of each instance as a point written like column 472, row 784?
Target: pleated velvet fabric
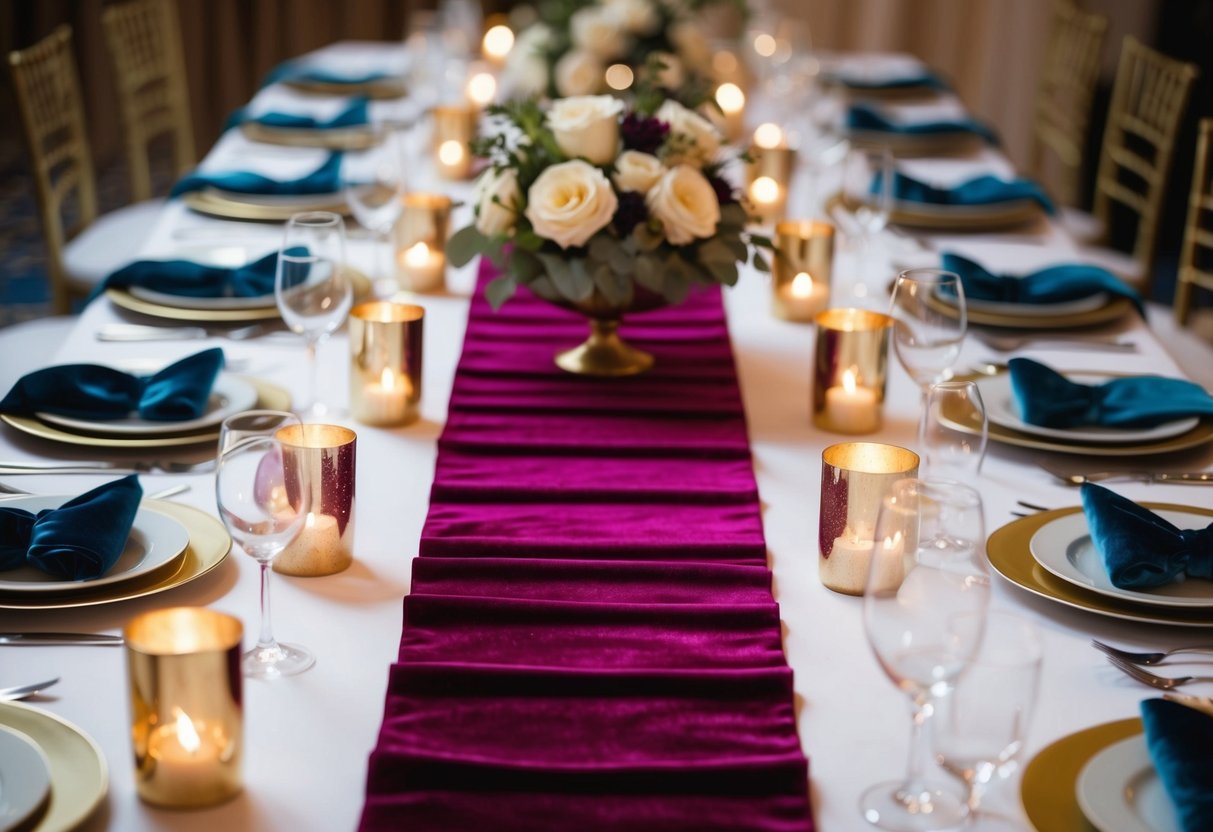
column 591, row 642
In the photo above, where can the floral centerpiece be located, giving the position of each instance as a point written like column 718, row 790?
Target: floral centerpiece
column 603, row 208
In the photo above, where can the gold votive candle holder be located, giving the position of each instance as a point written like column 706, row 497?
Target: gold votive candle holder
column 421, row 233
column 454, row 129
column 385, row 362
column 187, row 711
column 802, row 269
column 850, row 368
column 855, row 477
column 322, row 459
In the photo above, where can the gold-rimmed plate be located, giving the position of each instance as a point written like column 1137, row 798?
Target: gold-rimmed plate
column 1009, row 552
column 233, row 206
column 902, row 145
column 380, row 88
column 987, row 217
column 1114, row 309
column 209, row 545
column 79, row 775
column 1048, row 789
column 333, row 138
column 124, row 299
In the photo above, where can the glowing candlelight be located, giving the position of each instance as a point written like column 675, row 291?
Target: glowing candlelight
column 481, row 88
column 768, row 136
column 497, row 43
column 764, row 191
column 732, row 107
column 851, row 407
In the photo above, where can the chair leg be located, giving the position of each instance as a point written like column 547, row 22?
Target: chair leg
column 1183, row 300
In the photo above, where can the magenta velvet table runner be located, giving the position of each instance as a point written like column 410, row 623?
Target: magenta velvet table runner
column 591, row 642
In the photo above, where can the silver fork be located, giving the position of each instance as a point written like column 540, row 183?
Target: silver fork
column 1030, row 506
column 1154, row 680
column 1145, row 658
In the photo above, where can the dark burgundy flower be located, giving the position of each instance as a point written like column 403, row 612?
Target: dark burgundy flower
column 724, row 191
column 643, row 133
column 630, row 213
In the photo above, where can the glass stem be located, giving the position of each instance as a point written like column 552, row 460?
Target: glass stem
column 311, row 370
column 920, row 752
column 265, row 640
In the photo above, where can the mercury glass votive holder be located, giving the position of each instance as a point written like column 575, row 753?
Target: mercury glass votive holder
column 421, row 233
column 385, row 362
column 187, row 710
column 802, row 269
column 855, row 476
column 454, row 129
column 850, row 368
column 325, row 458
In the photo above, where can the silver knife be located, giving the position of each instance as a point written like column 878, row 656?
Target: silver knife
column 1186, row 478
column 32, row 639
column 136, row 332
column 67, row 469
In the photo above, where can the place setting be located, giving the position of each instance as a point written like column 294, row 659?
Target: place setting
column 940, row 128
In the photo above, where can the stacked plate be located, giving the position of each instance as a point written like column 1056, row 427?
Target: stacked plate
column 334, row 138
column 1096, row 308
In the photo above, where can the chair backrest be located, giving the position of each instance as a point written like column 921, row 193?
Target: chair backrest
column 144, row 39
column 1148, row 102
column 52, row 118
column 1196, row 255
column 1064, row 97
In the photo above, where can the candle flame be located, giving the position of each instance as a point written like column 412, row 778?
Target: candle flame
column 848, row 379
column 450, row 152
column 498, row 41
column 187, row 735
column 387, row 378
column 730, row 97
column 416, row 255
column 481, row 88
column 764, row 190
column 802, row 285
column 768, row 135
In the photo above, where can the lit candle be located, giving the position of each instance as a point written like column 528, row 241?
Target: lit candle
column 767, row 197
column 318, row 547
column 846, row 567
column 497, row 43
column 851, row 408
column 732, row 107
column 386, row 402
column 481, row 88
column 768, row 136
column 187, row 754
column 421, row 268
column 453, row 159
column 803, row 298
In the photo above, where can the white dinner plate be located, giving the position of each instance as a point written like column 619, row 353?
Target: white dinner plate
column 1032, row 310
column 186, row 302
column 25, row 779
column 231, row 394
column 155, row 540
column 1002, row 410
column 1119, row 790
column 1063, row 546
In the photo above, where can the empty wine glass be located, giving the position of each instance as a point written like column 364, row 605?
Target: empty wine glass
column 868, row 185
column 263, row 502
column 929, row 323
column 978, row 730
column 312, row 286
column 924, row 607
column 953, row 432
column 375, row 193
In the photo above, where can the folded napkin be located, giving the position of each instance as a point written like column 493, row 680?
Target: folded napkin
column 1180, row 740
column 326, row 179
column 1049, row 399
column 1139, row 548
column 925, row 78
column 1052, row 285
column 867, row 117
column 357, row 114
column 90, row 391
column 295, row 71
column 79, row 540
column 195, row 280
column 981, row 190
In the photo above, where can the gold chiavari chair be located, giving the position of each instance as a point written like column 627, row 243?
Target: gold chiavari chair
column 1196, row 255
column 82, row 247
column 144, row 40
column 1063, row 100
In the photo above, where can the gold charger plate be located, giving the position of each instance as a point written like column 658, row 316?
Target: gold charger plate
column 269, row 396
column 335, row 138
column 951, row 142
column 1116, row 308
column 230, row 206
column 956, row 217
column 1009, row 553
column 79, row 775
column 378, row 89
column 1048, row 787
column 209, row 545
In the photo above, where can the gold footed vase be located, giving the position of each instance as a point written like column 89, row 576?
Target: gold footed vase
column 604, row 354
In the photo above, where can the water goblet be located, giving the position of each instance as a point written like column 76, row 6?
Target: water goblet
column 375, row 193
column 929, row 323
column 264, row 503
column 868, row 185
column 312, row 286
column 953, row 432
column 924, row 607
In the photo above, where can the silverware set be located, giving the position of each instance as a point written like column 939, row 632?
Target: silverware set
column 138, row 332
column 1010, row 343
column 24, row 691
column 1131, row 663
column 155, row 466
column 1182, row 477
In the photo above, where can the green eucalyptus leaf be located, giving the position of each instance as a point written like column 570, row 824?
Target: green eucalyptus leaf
column 465, row 244
column 499, row 290
column 528, row 240
column 525, row 266
column 600, row 248
column 615, row 288
column 759, row 262
column 568, row 275
column 714, row 251
column 649, row 273
column 723, row 271
column 542, row 286
column 733, row 214
column 647, row 239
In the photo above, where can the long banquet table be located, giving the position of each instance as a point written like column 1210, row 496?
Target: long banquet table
column 308, row 737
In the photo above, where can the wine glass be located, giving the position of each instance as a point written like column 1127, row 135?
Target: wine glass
column 929, row 323
column 978, row 731
column 924, row 607
column 867, row 184
column 312, row 286
column 263, row 502
column 953, row 432
column 375, row 194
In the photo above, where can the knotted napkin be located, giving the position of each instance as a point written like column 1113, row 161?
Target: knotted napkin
column 867, row 117
column 1052, row 285
column 1049, row 399
column 197, row 280
column 78, row 541
column 325, row 179
column 1180, row 741
column 356, row 114
column 295, row 71
column 981, row 190
column 90, row 391
column 1139, row 548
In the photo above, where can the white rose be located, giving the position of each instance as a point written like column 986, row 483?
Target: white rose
column 579, row 73
column 596, row 30
column 587, row 125
column 688, row 38
column 685, row 203
column 570, row 202
column 700, row 143
column 636, row 171
column 636, row 16
column 497, row 198
column 526, row 71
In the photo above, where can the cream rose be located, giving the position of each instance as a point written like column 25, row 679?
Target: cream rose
column 700, row 143
column 636, row 171
column 570, row 202
column 526, row 71
column 596, row 30
column 497, row 198
column 686, row 204
column 578, row 73
column 587, row 125
column 636, row 16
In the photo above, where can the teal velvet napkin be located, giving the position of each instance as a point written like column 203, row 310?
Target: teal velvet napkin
column 1139, row 548
column 79, row 540
column 195, row 280
column 981, row 190
column 1049, row 399
column 295, row 71
column 325, row 179
column 1180, row 741
column 1052, row 285
column 90, row 391
column 867, row 117
column 356, row 114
